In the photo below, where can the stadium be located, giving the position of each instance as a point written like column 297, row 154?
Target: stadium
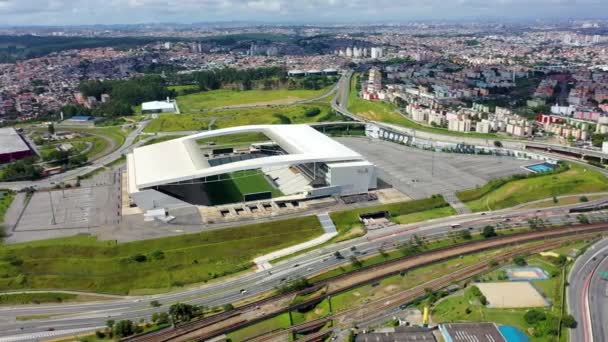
column 291, row 162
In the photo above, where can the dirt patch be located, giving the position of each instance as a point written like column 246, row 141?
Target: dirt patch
column 512, row 295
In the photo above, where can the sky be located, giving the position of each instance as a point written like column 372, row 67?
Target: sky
column 84, row 12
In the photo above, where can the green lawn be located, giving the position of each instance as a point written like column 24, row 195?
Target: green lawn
column 372, row 110
column 241, row 117
column 35, row 298
column 6, row 198
column 310, row 313
column 278, row 322
column 349, row 219
column 83, row 263
column 241, row 183
column 197, row 102
column 500, row 194
column 425, row 215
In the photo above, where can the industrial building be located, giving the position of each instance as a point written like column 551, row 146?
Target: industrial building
column 297, row 160
column 167, row 106
column 12, row 146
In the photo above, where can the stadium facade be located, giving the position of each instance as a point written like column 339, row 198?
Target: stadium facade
column 297, row 159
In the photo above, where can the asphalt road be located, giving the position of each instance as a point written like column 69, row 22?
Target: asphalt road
column 72, row 174
column 64, row 318
column 586, row 295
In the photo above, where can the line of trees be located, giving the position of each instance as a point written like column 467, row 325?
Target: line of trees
column 124, row 94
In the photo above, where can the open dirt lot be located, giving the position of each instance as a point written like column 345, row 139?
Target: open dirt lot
column 512, row 295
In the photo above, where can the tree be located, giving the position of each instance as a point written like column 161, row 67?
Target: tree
column 182, row 312
column 488, row 232
column 155, row 303
column 583, row 199
column 51, row 129
column 228, row 307
column 110, row 323
column 583, row 219
column 124, row 328
column 519, row 260
column 569, row 322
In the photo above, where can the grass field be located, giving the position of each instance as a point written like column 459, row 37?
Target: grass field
column 425, row 215
column 157, row 265
column 372, row 110
column 561, row 201
column 242, row 182
column 240, row 117
column 6, row 198
column 349, row 219
column 500, row 194
column 277, row 322
column 201, row 101
column 36, row 298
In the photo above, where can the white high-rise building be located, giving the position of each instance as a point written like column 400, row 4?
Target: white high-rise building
column 377, row 52
column 349, row 52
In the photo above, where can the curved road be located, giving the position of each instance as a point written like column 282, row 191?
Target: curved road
column 587, row 296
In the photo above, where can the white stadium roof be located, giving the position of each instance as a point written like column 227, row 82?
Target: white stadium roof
column 182, row 160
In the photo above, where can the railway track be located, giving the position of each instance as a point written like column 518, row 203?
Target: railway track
column 260, row 310
column 388, row 302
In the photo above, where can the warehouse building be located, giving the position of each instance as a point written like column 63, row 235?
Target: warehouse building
column 167, row 106
column 12, row 146
column 297, row 160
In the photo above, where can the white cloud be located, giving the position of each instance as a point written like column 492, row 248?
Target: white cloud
column 136, row 11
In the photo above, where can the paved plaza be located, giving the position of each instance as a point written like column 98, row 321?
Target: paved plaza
column 420, row 174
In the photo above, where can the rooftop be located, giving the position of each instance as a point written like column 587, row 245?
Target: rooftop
column 181, row 159
column 11, row 141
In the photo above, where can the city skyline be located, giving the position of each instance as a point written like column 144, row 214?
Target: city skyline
column 87, row 12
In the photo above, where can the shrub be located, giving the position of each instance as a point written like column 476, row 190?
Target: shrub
column 310, row 112
column 519, row 261
column 534, row 316
column 139, row 258
column 158, row 255
column 488, row 232
column 569, row 322
column 583, row 199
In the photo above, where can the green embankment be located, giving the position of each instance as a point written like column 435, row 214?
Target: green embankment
column 83, row 263
column 349, row 219
column 508, row 192
column 35, row 298
column 387, row 112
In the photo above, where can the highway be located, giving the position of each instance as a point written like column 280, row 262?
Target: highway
column 587, row 294
column 64, row 318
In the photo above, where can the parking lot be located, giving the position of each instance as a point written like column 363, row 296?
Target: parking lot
column 420, row 174
column 69, row 209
